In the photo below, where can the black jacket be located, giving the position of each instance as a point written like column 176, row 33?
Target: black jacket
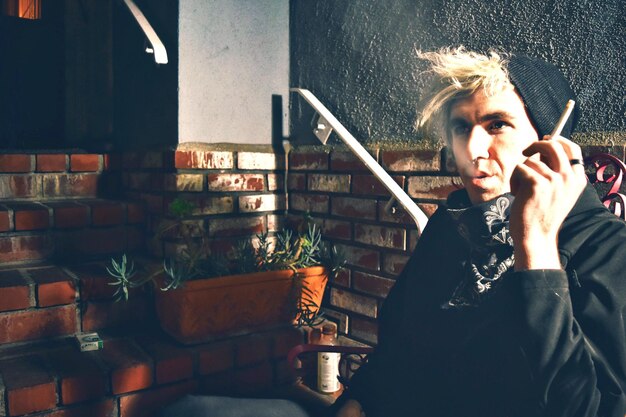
column 546, row 343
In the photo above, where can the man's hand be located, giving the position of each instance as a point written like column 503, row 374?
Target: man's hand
column 546, row 187
column 351, row 408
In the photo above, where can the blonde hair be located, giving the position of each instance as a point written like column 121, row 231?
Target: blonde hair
column 459, row 73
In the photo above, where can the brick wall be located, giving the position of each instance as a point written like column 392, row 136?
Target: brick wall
column 236, row 193
column 348, row 202
column 240, row 192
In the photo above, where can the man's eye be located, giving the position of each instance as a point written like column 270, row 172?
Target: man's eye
column 497, row 125
column 459, row 130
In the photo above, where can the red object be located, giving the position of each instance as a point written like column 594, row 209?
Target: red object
column 214, row 308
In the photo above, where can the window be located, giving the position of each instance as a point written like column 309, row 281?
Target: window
column 25, row 9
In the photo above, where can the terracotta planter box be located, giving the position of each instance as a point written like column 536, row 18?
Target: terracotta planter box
column 213, row 308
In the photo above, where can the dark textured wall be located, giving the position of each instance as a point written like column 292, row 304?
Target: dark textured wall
column 358, row 56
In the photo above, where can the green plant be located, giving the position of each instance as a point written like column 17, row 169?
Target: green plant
column 287, row 249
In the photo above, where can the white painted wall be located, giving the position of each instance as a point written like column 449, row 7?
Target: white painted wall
column 233, row 55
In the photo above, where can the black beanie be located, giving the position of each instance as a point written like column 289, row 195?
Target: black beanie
column 544, row 91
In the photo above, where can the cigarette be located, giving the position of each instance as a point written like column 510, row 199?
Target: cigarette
column 563, row 119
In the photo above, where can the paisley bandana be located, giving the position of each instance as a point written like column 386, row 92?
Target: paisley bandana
column 486, row 228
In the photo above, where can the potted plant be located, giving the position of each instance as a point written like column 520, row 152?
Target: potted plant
column 266, row 282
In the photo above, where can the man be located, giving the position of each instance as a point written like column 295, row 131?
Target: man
column 512, row 303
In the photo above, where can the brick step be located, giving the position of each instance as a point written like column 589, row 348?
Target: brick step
column 46, row 229
column 134, row 376
column 58, row 175
column 40, row 302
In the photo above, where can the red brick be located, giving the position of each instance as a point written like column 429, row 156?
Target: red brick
column 147, row 403
column 411, row 160
column 248, row 381
column 30, row 216
column 182, row 182
column 254, row 379
column 343, row 278
column 332, row 183
column 370, row 185
column 358, row 208
column 261, row 202
column 260, row 160
column 386, row 237
column 347, row 161
column 203, row 160
column 29, row 387
column 132, row 314
column 211, row 205
column 94, row 281
column 413, row 238
column 51, row 162
column 16, row 163
column 70, row 185
column 215, row 357
column 252, row 350
column 236, row 182
column 431, row 187
column 107, row 213
column 136, row 238
column 81, row 379
column 25, row 248
column 14, row 291
column 104, row 408
column 5, row 221
column 68, row 215
column 154, row 159
column 285, row 340
column 401, row 216
column 138, row 181
column 372, row 284
column 84, row 163
column 296, row 181
column 135, row 212
column 308, row 160
column 154, row 203
column 131, row 160
column 236, row 226
column 315, row 203
column 340, row 319
column 337, row 229
column 275, row 182
column 54, row 287
column 129, row 366
column 394, row 264
column 361, row 257
column 172, row 363
column 41, row 323
column 355, row 303
column 20, row 186
column 364, row 329
column 104, row 241
column 112, row 161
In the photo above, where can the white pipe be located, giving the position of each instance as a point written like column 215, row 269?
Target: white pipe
column 158, row 49
column 396, row 191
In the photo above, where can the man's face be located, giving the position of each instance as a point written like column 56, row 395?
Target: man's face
column 488, row 135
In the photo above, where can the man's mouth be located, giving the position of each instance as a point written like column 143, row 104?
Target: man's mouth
column 479, row 179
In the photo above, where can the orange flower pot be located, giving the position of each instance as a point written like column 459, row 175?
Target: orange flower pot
column 213, row 308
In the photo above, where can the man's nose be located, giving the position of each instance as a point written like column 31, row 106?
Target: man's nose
column 478, row 143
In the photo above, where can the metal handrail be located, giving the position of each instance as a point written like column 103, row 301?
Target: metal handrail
column 156, row 46
column 322, row 131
